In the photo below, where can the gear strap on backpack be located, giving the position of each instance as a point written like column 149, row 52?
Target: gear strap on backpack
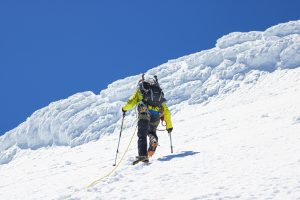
column 151, row 91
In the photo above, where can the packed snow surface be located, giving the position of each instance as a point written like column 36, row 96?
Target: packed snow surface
column 236, row 117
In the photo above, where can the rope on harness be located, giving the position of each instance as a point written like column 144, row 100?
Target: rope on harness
column 115, row 168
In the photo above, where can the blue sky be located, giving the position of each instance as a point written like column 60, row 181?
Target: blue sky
column 51, row 49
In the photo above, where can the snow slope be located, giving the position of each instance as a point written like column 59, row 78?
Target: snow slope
column 236, row 135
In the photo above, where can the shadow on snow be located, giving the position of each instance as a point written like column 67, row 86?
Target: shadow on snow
column 178, row 155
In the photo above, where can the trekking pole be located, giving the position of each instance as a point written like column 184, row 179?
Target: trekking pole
column 171, row 142
column 119, row 139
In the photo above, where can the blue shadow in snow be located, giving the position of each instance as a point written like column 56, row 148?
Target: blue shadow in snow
column 179, row 155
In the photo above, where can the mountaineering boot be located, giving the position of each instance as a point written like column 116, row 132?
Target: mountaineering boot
column 146, row 160
column 152, row 145
column 141, row 159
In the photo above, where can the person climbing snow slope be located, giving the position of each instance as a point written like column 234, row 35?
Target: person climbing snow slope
column 151, row 103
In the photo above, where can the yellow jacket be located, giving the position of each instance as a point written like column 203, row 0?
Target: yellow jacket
column 137, row 97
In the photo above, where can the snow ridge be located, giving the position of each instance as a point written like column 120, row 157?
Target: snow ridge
column 238, row 58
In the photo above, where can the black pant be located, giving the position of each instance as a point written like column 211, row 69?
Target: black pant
column 147, row 125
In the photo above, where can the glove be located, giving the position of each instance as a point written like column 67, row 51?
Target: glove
column 124, row 112
column 170, row 130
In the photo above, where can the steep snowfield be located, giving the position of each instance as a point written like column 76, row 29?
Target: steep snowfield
column 236, row 131
column 243, row 145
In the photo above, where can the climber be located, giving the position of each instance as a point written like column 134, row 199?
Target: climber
column 151, row 104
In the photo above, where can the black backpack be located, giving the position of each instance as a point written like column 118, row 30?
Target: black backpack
column 151, row 92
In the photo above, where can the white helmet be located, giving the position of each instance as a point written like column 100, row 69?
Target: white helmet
column 147, row 81
column 151, row 80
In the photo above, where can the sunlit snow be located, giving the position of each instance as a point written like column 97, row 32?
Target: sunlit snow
column 236, row 117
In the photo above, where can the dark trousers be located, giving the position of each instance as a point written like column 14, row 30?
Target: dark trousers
column 147, row 125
